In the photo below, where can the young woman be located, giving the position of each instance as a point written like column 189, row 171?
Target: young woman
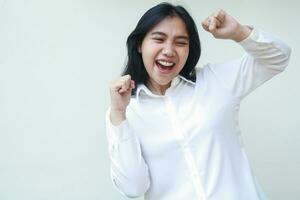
column 172, row 128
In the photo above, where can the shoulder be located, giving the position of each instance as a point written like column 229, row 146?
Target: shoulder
column 204, row 73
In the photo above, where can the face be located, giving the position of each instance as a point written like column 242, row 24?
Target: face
column 164, row 50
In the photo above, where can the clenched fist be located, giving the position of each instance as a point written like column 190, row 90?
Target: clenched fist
column 222, row 25
column 120, row 93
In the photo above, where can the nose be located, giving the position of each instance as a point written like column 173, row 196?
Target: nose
column 168, row 50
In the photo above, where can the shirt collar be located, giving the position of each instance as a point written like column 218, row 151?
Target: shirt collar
column 142, row 89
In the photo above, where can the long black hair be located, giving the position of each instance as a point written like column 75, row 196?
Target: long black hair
column 135, row 66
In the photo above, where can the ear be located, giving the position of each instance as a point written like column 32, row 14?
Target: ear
column 139, row 49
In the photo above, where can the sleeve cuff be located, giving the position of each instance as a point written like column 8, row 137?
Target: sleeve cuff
column 257, row 39
column 121, row 132
column 254, row 36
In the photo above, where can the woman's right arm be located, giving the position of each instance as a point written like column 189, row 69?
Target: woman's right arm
column 129, row 172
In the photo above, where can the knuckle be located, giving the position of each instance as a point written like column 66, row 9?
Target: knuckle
column 127, row 77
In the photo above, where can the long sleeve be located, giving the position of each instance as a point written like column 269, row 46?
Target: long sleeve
column 129, row 171
column 265, row 56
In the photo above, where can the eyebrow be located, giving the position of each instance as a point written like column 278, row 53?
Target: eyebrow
column 163, row 34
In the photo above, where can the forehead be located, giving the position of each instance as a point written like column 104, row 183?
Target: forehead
column 172, row 26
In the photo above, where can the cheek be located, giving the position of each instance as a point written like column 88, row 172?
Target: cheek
column 147, row 58
column 184, row 55
column 149, row 53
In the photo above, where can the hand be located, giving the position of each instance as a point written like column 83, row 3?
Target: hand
column 222, row 25
column 120, row 93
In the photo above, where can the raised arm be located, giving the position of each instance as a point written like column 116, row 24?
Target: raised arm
column 266, row 55
column 129, row 171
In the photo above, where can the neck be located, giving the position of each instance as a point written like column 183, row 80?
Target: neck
column 158, row 89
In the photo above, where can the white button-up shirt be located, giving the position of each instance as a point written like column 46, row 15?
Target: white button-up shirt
column 187, row 145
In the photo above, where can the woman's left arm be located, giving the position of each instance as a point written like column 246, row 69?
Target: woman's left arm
column 266, row 55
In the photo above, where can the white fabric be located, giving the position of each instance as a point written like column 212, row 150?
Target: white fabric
column 187, row 145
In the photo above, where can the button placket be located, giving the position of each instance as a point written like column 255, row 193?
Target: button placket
column 192, row 167
column 172, row 115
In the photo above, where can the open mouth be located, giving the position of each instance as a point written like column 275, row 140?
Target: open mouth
column 164, row 66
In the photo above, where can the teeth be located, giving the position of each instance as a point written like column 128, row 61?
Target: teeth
column 165, row 63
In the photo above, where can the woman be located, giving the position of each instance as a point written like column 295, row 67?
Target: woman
column 172, row 128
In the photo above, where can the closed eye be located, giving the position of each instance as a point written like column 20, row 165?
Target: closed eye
column 182, row 43
column 158, row 39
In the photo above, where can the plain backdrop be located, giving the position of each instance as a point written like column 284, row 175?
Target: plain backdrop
column 57, row 58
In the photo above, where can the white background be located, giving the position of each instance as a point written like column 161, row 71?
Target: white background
column 57, row 58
